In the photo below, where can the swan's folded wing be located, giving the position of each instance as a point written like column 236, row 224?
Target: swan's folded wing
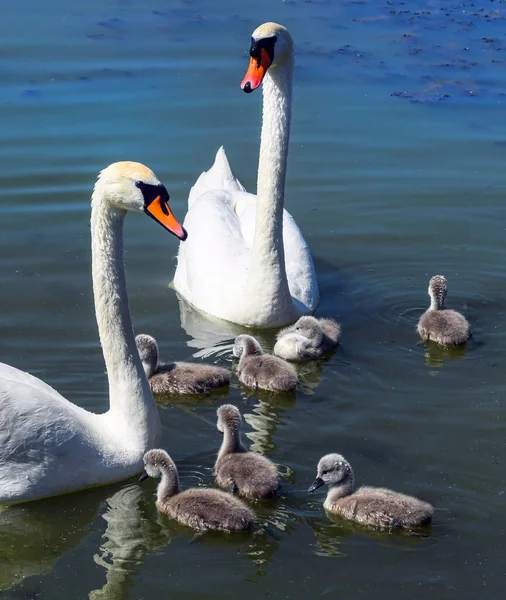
column 212, row 262
column 36, row 427
column 219, row 177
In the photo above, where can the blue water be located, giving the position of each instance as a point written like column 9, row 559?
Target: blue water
column 396, row 173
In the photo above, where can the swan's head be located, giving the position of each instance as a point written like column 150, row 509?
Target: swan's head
column 438, row 289
column 148, row 351
column 132, row 186
column 156, row 463
column 271, row 46
column 246, row 344
column 333, row 469
column 229, row 417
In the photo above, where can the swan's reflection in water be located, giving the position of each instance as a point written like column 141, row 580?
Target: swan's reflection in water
column 130, row 532
column 34, row 536
column 135, row 528
column 213, row 337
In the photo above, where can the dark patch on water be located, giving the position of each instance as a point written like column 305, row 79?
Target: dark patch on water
column 449, row 51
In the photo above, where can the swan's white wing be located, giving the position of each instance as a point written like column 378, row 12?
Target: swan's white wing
column 213, row 262
column 38, row 429
column 219, row 177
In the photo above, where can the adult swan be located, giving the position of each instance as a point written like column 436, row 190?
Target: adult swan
column 246, row 260
column 48, row 445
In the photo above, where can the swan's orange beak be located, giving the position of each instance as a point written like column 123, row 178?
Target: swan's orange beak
column 159, row 210
column 256, row 71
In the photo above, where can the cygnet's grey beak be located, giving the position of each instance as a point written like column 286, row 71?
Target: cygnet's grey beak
column 317, row 483
column 143, row 476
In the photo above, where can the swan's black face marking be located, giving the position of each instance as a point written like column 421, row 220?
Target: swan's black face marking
column 266, row 44
column 262, row 55
column 156, row 205
column 151, row 192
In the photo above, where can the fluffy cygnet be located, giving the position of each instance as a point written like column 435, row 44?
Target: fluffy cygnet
column 380, row 507
column 307, row 338
column 177, row 377
column 250, row 474
column 439, row 324
column 259, row 370
column 200, row 509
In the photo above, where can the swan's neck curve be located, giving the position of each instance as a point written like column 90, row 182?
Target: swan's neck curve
column 132, row 406
column 341, row 490
column 437, row 303
column 267, row 283
column 231, row 442
column 168, row 486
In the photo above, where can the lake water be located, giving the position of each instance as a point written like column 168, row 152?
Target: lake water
column 396, row 173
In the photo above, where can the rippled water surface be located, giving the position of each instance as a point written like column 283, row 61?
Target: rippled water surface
column 396, row 173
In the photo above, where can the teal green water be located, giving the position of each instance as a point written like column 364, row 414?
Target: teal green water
column 396, row 173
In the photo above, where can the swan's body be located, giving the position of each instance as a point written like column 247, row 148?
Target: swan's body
column 262, row 371
column 308, row 338
column 198, row 508
column 48, row 445
column 379, row 507
column 247, row 261
column 178, row 377
column 439, row 324
column 250, row 474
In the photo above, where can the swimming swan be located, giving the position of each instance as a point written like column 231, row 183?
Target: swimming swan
column 250, row 474
column 439, row 324
column 177, row 377
column 379, row 507
column 49, row 446
column 200, row 508
column 307, row 338
column 263, row 371
column 246, row 260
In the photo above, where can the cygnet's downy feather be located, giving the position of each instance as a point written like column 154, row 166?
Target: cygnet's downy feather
column 308, row 338
column 236, row 469
column 379, row 507
column 439, row 324
column 178, row 377
column 262, row 371
column 202, row 509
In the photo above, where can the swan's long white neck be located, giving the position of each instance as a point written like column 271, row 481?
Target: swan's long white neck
column 131, row 401
column 267, row 283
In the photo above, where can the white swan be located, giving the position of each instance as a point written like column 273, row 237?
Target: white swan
column 49, row 446
column 246, row 260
